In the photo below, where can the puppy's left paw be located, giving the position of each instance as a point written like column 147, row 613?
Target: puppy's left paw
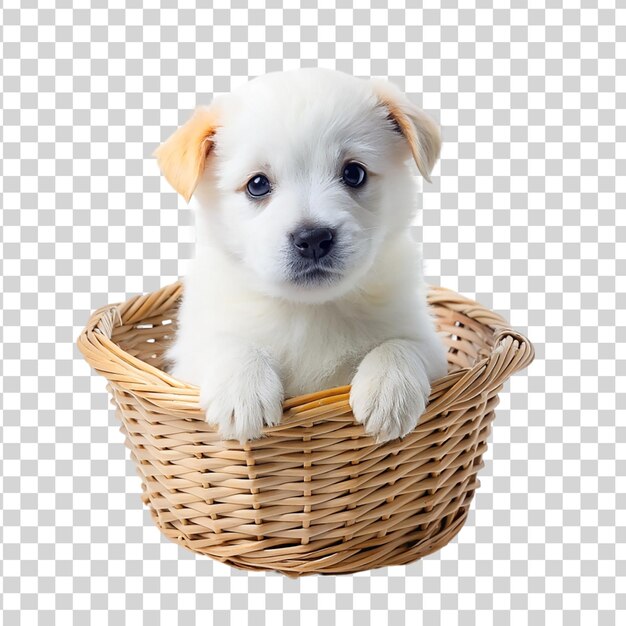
column 390, row 390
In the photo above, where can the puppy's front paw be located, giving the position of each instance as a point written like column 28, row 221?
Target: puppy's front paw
column 390, row 390
column 242, row 400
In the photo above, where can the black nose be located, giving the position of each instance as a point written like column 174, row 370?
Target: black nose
column 313, row 243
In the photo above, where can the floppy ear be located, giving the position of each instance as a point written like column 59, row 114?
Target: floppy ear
column 420, row 131
column 183, row 156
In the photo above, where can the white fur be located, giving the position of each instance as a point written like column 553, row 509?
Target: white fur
column 247, row 334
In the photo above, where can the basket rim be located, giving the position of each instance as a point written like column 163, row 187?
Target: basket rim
column 511, row 352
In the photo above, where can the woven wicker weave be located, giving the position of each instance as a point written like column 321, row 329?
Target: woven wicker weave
column 315, row 495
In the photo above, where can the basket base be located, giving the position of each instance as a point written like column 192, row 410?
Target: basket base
column 402, row 550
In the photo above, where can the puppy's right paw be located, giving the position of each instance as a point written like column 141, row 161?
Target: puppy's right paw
column 241, row 401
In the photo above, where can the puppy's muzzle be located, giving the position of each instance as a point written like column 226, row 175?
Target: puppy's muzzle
column 313, row 243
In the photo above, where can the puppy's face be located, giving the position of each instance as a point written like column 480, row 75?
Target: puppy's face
column 301, row 176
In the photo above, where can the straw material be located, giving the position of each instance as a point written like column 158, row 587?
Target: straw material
column 316, row 495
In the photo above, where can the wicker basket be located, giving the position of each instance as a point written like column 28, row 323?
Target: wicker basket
column 315, row 495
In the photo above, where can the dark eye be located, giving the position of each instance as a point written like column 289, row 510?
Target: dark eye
column 259, row 186
column 353, row 175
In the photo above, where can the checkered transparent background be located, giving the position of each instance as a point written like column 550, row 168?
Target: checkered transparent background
column 525, row 213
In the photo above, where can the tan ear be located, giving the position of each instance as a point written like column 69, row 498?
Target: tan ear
column 183, row 156
column 420, row 131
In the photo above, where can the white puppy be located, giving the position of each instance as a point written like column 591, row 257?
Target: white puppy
column 305, row 275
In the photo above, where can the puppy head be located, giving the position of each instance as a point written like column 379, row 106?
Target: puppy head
column 300, row 176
